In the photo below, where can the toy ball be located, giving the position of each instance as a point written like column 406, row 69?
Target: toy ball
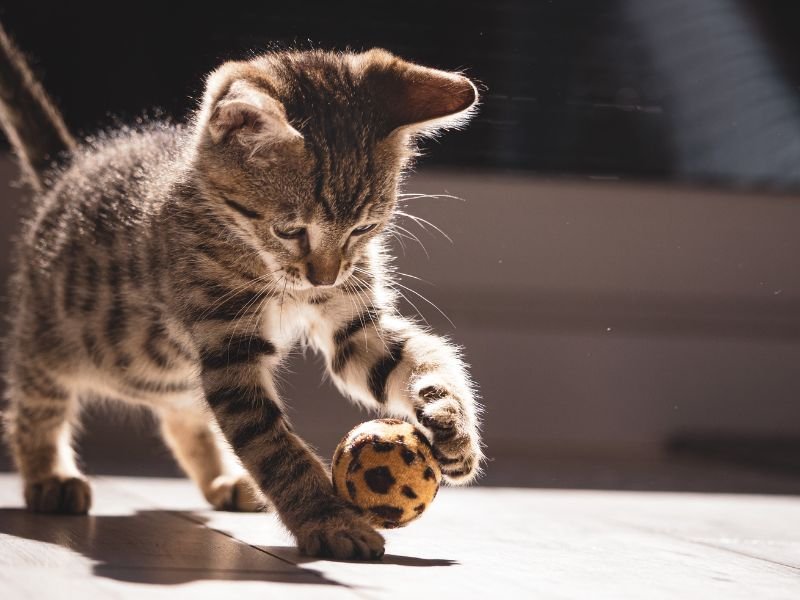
column 386, row 468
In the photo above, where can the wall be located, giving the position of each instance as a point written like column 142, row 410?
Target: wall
column 598, row 316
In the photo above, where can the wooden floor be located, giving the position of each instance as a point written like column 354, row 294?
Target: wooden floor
column 154, row 538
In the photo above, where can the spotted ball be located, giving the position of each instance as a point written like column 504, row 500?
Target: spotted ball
column 386, row 468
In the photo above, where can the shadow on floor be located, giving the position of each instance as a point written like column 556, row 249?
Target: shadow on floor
column 150, row 547
column 163, row 548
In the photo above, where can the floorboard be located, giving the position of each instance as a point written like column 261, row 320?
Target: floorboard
column 150, row 537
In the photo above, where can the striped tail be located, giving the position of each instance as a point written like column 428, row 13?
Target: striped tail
column 32, row 124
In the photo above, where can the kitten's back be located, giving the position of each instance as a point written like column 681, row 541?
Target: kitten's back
column 112, row 184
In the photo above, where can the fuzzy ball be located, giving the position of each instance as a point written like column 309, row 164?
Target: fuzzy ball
column 386, row 467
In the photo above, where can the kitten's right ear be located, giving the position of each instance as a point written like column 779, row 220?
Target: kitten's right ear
column 241, row 110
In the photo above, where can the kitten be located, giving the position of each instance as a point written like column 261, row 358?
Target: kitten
column 175, row 267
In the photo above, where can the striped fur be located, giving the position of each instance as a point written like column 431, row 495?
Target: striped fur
column 164, row 267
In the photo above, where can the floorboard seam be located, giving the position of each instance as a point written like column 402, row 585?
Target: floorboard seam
column 189, row 518
column 794, row 568
column 681, row 538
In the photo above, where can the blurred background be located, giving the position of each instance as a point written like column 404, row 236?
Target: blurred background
column 624, row 214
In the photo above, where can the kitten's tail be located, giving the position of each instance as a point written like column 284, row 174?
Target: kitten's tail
column 28, row 117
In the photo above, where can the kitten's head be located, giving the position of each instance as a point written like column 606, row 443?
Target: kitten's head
column 304, row 151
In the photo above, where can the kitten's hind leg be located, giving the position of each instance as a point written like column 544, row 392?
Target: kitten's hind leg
column 209, row 461
column 39, row 422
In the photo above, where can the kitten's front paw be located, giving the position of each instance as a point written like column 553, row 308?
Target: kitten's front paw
column 343, row 535
column 63, row 495
column 456, row 442
column 237, row 493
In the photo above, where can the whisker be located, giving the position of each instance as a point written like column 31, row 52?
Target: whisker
column 390, row 306
column 422, row 222
column 369, row 313
column 283, row 296
column 391, row 229
column 414, row 237
column 219, row 301
column 414, row 306
column 257, row 323
column 261, row 297
column 414, row 277
column 416, row 195
column 413, row 291
column 356, row 310
column 399, row 239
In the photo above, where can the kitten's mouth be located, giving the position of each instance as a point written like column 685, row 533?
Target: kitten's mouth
column 307, row 285
column 298, row 282
column 291, row 279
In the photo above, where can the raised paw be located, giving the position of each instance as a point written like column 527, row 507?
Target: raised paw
column 455, row 439
column 62, row 495
column 341, row 536
column 236, row 493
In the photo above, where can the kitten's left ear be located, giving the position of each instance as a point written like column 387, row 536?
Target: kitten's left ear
column 416, row 98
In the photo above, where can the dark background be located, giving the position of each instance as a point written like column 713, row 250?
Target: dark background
column 568, row 86
column 624, row 268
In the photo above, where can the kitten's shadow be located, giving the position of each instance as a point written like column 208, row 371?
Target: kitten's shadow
column 148, row 546
column 155, row 547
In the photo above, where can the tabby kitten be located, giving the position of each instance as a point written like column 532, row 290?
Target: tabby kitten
column 176, row 266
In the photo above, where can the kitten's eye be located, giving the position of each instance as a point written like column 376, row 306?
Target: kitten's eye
column 364, row 229
column 290, row 233
column 247, row 212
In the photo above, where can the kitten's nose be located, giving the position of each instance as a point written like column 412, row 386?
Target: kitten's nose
column 323, row 270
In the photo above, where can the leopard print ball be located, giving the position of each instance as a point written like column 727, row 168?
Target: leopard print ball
column 386, row 467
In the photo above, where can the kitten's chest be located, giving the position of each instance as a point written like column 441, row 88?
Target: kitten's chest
column 284, row 324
